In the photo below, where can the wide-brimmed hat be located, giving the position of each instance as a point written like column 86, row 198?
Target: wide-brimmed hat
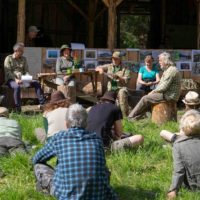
column 116, row 54
column 57, row 96
column 33, row 29
column 191, row 98
column 4, row 112
column 65, row 46
column 109, row 95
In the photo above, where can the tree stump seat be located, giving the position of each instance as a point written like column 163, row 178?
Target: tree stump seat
column 164, row 111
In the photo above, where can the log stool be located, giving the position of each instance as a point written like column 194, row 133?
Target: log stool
column 164, row 112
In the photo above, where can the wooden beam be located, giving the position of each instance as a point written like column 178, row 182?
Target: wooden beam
column 78, row 9
column 198, row 24
column 106, row 2
column 21, row 21
column 119, row 2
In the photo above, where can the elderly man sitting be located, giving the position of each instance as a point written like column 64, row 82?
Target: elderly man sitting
column 186, row 150
column 81, row 171
column 168, row 89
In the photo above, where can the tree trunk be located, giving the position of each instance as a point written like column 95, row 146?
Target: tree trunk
column 21, row 21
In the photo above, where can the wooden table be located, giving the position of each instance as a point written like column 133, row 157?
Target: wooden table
column 46, row 78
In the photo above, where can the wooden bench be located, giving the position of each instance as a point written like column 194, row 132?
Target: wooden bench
column 164, row 112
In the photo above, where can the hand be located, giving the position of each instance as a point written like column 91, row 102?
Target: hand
column 115, row 76
column 100, row 70
column 18, row 81
column 171, row 195
column 66, row 78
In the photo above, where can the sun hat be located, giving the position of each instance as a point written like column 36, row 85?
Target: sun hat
column 116, row 54
column 65, row 46
column 4, row 112
column 191, row 98
column 109, row 95
column 33, row 29
column 57, row 96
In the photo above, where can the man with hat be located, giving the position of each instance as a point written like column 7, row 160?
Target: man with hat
column 191, row 100
column 118, row 77
column 65, row 79
column 10, row 134
column 105, row 119
column 31, row 36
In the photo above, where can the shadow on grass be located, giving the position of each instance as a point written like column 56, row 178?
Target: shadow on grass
column 129, row 193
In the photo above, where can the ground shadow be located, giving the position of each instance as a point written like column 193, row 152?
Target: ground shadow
column 129, row 193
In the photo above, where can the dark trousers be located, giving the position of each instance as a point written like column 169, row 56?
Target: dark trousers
column 44, row 176
column 10, row 145
column 17, row 90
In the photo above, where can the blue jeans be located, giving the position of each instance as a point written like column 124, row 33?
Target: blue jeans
column 17, row 90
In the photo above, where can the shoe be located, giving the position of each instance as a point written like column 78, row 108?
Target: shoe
column 18, row 109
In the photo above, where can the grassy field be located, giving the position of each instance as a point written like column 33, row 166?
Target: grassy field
column 139, row 174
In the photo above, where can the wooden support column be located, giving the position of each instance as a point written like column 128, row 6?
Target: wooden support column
column 112, row 21
column 91, row 17
column 21, row 21
column 198, row 24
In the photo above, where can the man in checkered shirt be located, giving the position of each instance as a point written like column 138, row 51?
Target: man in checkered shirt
column 168, row 89
column 81, row 171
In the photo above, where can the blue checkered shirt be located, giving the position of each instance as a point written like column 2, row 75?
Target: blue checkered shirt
column 81, row 171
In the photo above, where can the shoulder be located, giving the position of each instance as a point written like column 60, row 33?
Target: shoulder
column 9, row 57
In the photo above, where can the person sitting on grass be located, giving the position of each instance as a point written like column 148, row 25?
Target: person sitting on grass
column 53, row 116
column 191, row 101
column 81, row 171
column 186, row 151
column 10, row 134
column 105, row 119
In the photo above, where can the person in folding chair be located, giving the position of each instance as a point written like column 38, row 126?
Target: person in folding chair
column 15, row 66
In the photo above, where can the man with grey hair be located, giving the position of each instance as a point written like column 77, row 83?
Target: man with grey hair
column 168, row 89
column 31, row 36
column 81, row 171
column 15, row 65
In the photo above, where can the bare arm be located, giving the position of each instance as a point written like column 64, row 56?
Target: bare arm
column 118, row 128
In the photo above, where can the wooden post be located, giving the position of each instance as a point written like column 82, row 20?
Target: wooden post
column 21, row 21
column 198, row 24
column 112, row 19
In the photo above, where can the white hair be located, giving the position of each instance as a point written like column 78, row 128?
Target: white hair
column 76, row 116
column 18, row 45
column 166, row 59
column 190, row 122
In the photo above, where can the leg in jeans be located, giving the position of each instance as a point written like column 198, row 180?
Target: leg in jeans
column 12, row 84
column 38, row 91
column 145, row 103
column 44, row 176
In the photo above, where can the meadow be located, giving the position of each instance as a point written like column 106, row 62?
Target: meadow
column 137, row 174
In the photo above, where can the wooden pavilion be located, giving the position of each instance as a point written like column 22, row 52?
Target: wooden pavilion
column 97, row 22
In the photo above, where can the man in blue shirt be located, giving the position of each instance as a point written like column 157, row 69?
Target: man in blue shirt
column 81, row 171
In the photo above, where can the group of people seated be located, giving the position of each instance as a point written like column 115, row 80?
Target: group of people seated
column 78, row 137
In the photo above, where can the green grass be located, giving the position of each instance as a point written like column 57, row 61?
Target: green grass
column 139, row 174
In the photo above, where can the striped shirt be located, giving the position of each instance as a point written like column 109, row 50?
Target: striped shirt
column 81, row 171
column 170, row 84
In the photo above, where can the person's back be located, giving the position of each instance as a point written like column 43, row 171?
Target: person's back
column 9, row 128
column 101, row 118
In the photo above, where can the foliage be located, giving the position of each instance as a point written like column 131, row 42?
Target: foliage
column 134, row 30
column 139, row 174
